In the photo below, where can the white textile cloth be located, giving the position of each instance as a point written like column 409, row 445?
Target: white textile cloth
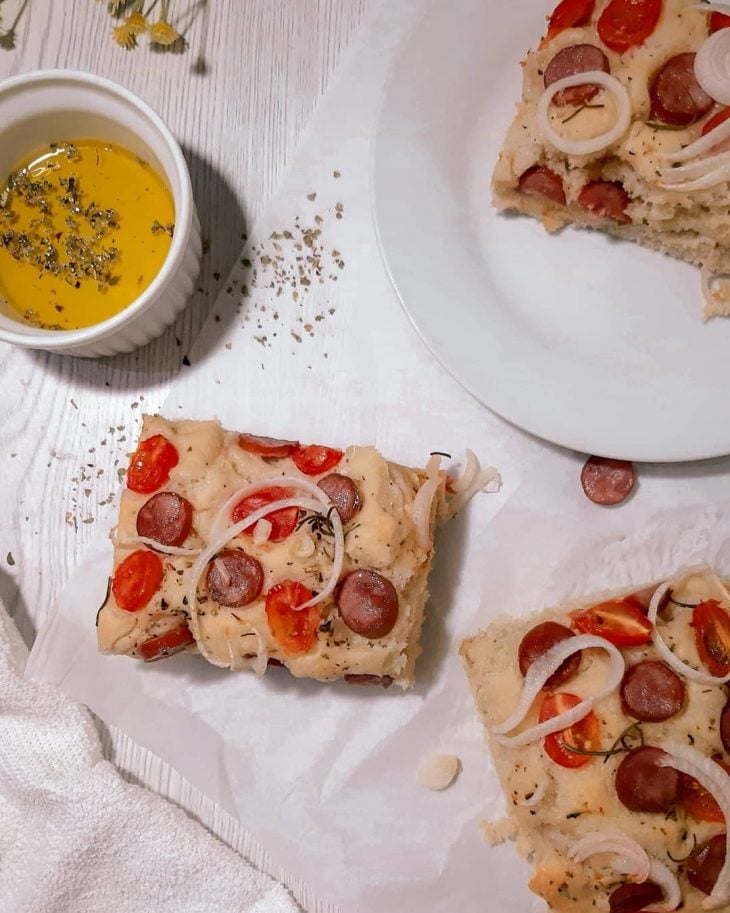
column 76, row 838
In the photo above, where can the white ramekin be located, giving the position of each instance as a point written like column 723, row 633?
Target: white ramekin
column 56, row 105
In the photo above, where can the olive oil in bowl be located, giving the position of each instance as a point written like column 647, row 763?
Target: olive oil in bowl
column 84, row 229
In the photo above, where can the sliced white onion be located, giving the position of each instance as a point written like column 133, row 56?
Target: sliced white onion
column 701, row 145
column 632, row 858
column 711, row 179
column 469, row 473
column 680, row 667
column 223, row 518
column 595, row 143
column 480, row 479
column 224, row 537
column 666, row 879
column 696, row 169
column 717, row 782
column 433, row 467
column 712, row 66
column 131, row 541
column 262, row 531
column 304, row 545
column 421, row 512
column 539, row 672
column 538, row 794
column 723, row 8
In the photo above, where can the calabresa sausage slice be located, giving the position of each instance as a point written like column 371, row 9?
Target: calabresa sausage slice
column 625, row 24
column 705, row 863
column 578, row 58
column 676, row 96
column 166, row 518
column 652, row 692
column 270, row 447
column 608, row 200
column 538, row 641
column 633, row 898
column 539, row 181
column 343, row 493
column 234, row 579
column 569, row 14
column 643, row 785
column 151, row 463
column 606, row 481
column 368, row 603
column 137, row 579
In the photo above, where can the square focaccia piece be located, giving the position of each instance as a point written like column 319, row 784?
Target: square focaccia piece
column 622, row 127
column 255, row 551
column 622, row 806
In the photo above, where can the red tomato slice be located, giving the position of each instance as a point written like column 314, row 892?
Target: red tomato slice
column 625, row 24
column 712, row 636
column 313, row 460
column 283, row 522
column 698, row 801
column 719, row 21
column 151, row 463
column 166, row 644
column 569, row 14
column 620, row 622
column 266, row 446
column 718, row 118
column 137, row 579
column 294, row 630
column 585, row 734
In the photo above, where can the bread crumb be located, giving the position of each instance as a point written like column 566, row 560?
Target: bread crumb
column 437, row 771
column 497, row 832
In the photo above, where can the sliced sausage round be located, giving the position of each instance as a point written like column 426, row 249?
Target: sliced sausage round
column 652, row 692
column 343, row 493
column 578, row 58
column 234, row 578
column 643, row 785
column 606, row 199
column 633, row 898
column 368, row 603
column 676, row 96
column 725, row 727
column 166, row 518
column 607, row 481
column 704, row 863
column 539, row 181
column 362, row 678
column 538, row 641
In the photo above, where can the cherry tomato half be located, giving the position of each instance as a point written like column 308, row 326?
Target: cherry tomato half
column 719, row 21
column 266, row 446
column 569, row 14
column 137, row 579
column 711, row 624
column 620, row 622
column 585, row 734
column 698, row 801
column 151, row 463
column 313, row 459
column 295, row 630
column 625, row 24
column 283, row 522
column 166, row 644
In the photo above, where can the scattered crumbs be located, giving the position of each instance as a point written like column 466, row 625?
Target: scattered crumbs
column 296, row 336
column 229, row 345
column 205, row 246
column 73, row 404
column 216, row 276
column 312, row 197
column 11, row 560
column 336, row 174
column 186, row 361
column 178, row 341
column 217, row 318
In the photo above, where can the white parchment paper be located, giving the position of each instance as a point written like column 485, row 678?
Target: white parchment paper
column 324, row 776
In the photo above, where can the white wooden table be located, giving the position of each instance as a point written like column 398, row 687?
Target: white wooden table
column 237, row 100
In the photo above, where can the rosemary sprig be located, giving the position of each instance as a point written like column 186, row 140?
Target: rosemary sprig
column 622, row 743
column 319, row 524
column 578, row 111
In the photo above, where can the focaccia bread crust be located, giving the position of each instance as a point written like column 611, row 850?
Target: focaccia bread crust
column 383, row 537
column 551, row 807
column 692, row 224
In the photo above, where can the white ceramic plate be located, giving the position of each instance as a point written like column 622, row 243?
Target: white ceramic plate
column 588, row 342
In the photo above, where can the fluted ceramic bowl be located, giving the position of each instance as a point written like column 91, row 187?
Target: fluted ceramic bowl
column 40, row 108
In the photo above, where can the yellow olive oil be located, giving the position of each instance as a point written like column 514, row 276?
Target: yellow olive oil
column 84, row 229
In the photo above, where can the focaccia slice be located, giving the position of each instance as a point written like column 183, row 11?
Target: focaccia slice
column 347, row 531
column 629, row 185
column 561, row 800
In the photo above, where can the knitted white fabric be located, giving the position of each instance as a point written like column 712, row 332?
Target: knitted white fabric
column 76, row 838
